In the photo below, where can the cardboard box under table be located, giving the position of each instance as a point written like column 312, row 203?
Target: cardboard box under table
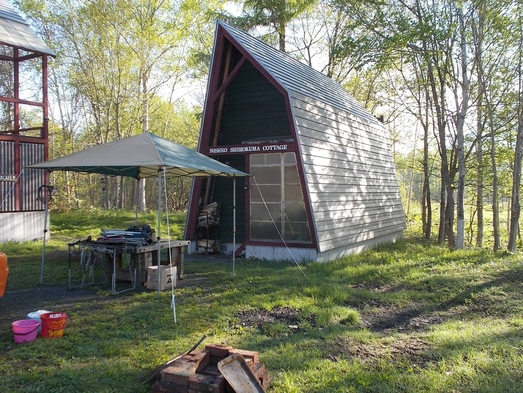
column 167, row 277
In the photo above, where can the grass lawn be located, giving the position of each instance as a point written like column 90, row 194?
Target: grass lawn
column 408, row 317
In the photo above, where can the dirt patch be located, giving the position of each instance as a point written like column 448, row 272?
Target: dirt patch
column 287, row 316
column 410, row 349
column 413, row 317
column 16, row 305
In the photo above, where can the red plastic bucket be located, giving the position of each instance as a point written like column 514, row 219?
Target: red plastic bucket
column 25, row 330
column 53, row 324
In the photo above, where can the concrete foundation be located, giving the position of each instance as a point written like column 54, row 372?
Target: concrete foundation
column 304, row 254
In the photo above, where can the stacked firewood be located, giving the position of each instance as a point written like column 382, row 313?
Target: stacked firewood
column 208, row 246
column 209, row 215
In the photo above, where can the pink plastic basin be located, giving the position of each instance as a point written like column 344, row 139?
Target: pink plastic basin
column 25, row 330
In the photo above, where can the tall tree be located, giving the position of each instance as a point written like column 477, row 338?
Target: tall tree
column 433, row 38
column 274, row 14
column 151, row 36
column 462, row 106
column 490, row 38
column 115, row 57
column 515, row 208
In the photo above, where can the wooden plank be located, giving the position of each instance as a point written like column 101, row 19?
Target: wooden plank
column 155, row 372
column 237, row 372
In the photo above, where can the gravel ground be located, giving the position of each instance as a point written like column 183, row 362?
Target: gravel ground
column 16, row 305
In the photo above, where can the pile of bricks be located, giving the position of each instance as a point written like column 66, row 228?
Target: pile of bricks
column 198, row 371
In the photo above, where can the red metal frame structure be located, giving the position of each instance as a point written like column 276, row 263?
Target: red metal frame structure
column 21, row 146
column 24, row 127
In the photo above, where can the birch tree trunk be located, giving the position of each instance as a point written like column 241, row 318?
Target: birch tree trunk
column 479, row 189
column 460, row 124
column 141, row 202
column 515, row 207
column 426, row 206
column 495, row 198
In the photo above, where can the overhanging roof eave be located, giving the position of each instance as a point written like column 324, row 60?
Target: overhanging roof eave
column 15, row 32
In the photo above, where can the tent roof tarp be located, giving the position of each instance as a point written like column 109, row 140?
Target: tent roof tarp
column 141, row 156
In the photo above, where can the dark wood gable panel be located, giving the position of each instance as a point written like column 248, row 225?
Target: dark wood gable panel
column 253, row 108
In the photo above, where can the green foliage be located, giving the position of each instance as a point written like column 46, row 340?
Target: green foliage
column 118, row 73
column 274, row 14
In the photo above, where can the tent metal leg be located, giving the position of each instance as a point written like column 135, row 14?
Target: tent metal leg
column 46, row 213
column 159, row 229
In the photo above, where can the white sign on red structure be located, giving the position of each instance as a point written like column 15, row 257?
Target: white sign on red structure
column 245, row 149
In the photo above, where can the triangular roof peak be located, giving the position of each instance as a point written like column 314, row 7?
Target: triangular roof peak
column 293, row 75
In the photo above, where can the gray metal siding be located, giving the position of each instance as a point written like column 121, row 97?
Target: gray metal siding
column 348, row 238
column 23, row 226
column 350, row 174
column 31, row 153
column 28, row 181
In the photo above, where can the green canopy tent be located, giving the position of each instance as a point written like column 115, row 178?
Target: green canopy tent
column 142, row 156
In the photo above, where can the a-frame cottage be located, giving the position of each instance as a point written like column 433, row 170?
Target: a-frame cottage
column 323, row 182
column 23, row 126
